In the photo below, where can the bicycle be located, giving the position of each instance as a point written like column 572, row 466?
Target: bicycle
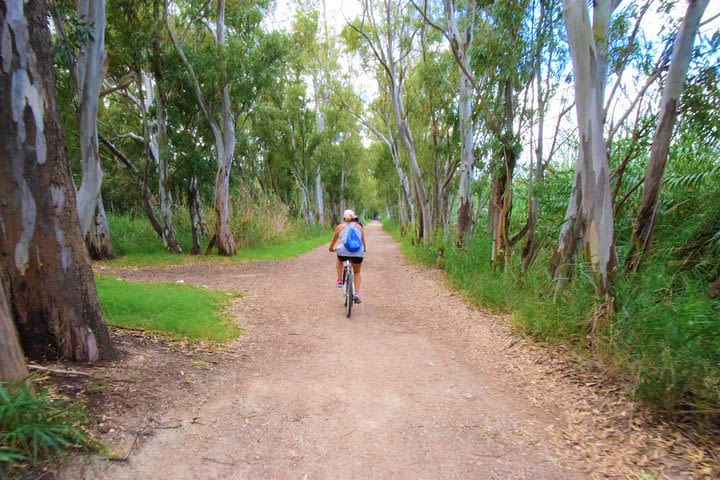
column 348, row 287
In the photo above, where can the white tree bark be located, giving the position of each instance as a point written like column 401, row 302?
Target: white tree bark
column 321, row 101
column 407, row 140
column 674, row 83
column 157, row 146
column 89, row 76
column 98, row 238
column 588, row 49
column 460, row 43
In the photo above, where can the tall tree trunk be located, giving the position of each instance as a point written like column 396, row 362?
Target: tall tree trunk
column 155, row 133
column 151, row 149
column 319, row 197
column 570, row 236
column 89, row 76
column 46, row 269
column 424, row 211
column 437, row 217
column 467, row 157
column 590, row 71
column 154, row 84
column 390, row 52
column 223, row 236
column 536, row 170
column 97, row 240
column 502, row 183
column 12, row 360
column 197, row 223
column 405, row 204
column 460, row 43
column 681, row 56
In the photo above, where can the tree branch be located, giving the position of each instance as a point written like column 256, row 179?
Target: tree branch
column 117, row 153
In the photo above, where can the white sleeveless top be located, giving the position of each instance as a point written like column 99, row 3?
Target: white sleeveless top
column 341, row 250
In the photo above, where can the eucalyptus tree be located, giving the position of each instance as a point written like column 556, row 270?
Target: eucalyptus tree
column 223, row 127
column 137, row 42
column 301, row 140
column 681, row 56
column 88, row 77
column 45, row 267
column 458, row 26
column 503, row 71
column 235, row 61
column 155, row 133
column 433, row 114
column 389, row 31
column 84, row 51
column 590, row 206
column 313, row 59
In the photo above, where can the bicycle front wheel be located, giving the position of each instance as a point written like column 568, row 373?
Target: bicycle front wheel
column 349, row 291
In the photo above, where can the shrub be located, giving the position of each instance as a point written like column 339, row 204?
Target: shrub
column 35, row 427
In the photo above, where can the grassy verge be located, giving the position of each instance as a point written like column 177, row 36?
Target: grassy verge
column 663, row 334
column 135, row 243
column 284, row 250
column 171, row 309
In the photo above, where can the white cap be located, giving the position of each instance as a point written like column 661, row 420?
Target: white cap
column 348, row 214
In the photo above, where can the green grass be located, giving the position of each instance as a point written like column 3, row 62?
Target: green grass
column 174, row 310
column 135, row 243
column 37, row 427
column 284, row 250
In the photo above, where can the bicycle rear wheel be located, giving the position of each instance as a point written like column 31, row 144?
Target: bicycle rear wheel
column 349, row 290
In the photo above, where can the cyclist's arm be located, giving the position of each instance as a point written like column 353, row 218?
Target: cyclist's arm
column 362, row 237
column 335, row 237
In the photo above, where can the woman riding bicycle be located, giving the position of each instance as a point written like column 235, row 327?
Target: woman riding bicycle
column 340, row 237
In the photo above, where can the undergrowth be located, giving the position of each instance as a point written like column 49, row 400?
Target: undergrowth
column 663, row 333
column 37, row 427
column 259, row 236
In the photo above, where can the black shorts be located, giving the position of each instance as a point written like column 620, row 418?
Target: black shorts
column 355, row 260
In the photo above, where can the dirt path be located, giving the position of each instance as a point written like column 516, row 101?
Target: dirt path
column 414, row 385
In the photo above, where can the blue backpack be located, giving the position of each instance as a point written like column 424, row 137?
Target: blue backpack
column 352, row 241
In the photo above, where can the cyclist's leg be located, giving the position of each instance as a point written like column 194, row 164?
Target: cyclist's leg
column 356, row 271
column 339, row 269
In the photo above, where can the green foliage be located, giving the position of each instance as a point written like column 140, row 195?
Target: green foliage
column 36, row 427
column 527, row 296
column 670, row 337
column 175, row 310
column 263, row 231
column 135, row 242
